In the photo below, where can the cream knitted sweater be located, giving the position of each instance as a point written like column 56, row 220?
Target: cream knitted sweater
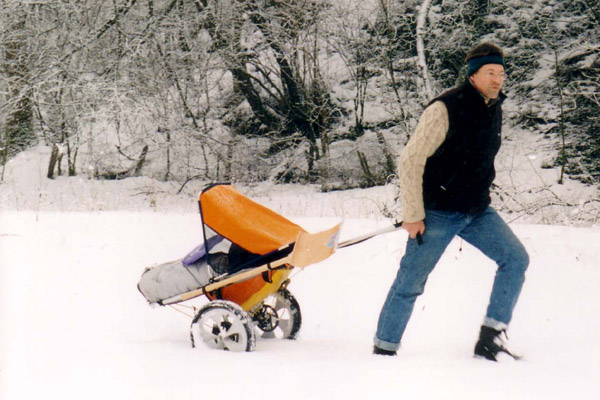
column 428, row 137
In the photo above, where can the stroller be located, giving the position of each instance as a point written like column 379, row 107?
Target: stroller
column 243, row 268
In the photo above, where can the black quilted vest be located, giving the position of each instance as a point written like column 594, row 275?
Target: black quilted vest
column 459, row 174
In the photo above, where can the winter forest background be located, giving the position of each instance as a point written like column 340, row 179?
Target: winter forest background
column 130, row 107
column 291, row 91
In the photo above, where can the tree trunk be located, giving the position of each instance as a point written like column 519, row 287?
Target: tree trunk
column 369, row 178
column 561, row 117
column 53, row 160
column 390, row 163
column 422, row 60
column 243, row 83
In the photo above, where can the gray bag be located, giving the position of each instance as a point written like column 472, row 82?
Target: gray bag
column 174, row 278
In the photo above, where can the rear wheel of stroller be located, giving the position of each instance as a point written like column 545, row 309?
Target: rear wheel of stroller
column 279, row 316
column 223, row 325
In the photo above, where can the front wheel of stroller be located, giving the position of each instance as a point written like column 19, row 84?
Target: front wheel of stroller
column 223, row 325
column 279, row 316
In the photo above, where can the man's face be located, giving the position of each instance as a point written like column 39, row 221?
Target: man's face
column 488, row 80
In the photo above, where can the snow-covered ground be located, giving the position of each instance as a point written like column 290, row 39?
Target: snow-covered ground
column 73, row 325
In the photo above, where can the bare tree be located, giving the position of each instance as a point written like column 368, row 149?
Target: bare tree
column 273, row 58
column 15, row 81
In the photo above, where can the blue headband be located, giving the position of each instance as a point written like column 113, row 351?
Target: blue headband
column 475, row 63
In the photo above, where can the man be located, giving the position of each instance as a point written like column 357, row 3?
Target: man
column 445, row 173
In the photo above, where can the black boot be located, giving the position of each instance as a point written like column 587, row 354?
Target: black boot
column 490, row 343
column 381, row 352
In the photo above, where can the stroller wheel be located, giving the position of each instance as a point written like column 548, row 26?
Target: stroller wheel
column 279, row 316
column 223, row 325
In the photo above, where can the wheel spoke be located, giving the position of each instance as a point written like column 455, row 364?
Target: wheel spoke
column 280, row 303
column 233, row 342
column 286, row 327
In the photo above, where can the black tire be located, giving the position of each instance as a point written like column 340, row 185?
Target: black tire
column 223, row 325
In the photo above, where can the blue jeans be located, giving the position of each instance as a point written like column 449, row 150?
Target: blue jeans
column 488, row 233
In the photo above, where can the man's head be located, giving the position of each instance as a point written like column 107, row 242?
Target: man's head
column 485, row 68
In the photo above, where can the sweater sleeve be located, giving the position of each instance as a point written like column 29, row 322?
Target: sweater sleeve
column 430, row 134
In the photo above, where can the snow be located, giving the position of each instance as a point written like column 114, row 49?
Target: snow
column 73, row 325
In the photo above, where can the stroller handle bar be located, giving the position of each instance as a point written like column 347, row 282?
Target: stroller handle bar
column 367, row 236
column 359, row 239
column 307, row 249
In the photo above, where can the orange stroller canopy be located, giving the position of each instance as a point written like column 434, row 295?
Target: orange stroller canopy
column 250, row 235
column 244, row 222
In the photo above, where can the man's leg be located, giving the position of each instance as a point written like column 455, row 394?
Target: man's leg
column 492, row 236
column 415, row 266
